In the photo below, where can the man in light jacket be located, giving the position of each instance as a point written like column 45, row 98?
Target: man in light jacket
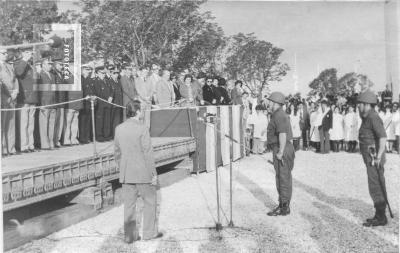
column 138, row 176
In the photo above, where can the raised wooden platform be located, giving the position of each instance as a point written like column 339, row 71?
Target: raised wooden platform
column 30, row 178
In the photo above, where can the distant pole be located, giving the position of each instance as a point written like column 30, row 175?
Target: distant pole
column 93, row 125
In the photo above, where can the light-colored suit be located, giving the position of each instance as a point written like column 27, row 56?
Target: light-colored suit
column 135, row 159
column 165, row 93
column 10, row 91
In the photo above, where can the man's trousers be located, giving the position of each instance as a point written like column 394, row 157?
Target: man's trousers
column 130, row 193
column 103, row 124
column 71, row 127
column 324, row 140
column 8, row 131
column 283, row 172
column 47, row 120
column 27, row 126
column 59, row 125
column 374, row 186
column 85, row 126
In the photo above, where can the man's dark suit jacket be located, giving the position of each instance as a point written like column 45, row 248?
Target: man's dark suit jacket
column 327, row 121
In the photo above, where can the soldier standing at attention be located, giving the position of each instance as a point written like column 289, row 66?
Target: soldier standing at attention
column 279, row 136
column 372, row 135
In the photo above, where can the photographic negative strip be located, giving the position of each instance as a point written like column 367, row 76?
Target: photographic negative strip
column 57, row 62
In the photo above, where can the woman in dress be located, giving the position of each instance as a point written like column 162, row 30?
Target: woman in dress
column 187, row 91
column 350, row 129
column 315, row 117
column 336, row 131
column 295, row 123
column 387, row 119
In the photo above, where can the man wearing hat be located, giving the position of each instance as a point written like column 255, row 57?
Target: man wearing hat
column 61, row 96
column 372, row 136
column 71, row 111
column 9, row 92
column 27, row 99
column 225, row 99
column 85, row 118
column 103, row 109
column 47, row 115
column 116, row 112
column 128, row 84
column 279, row 136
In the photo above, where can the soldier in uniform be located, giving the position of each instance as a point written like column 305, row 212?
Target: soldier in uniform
column 27, row 99
column 9, row 92
column 279, row 136
column 47, row 115
column 103, row 109
column 116, row 112
column 85, row 116
column 372, row 135
column 61, row 96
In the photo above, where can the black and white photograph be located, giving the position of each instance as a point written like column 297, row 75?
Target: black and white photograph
column 200, row 126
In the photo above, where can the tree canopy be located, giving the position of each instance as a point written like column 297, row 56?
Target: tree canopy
column 254, row 61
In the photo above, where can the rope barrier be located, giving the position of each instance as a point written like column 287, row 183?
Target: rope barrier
column 157, row 107
column 45, row 106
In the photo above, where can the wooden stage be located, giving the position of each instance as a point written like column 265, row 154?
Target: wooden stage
column 33, row 177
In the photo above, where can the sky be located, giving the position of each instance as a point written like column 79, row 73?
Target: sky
column 348, row 36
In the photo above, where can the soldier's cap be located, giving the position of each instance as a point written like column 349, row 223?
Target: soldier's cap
column 98, row 68
column 395, row 103
column 48, row 60
column 86, row 66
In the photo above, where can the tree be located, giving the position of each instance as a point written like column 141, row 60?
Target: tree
column 328, row 85
column 18, row 17
column 254, row 61
column 162, row 32
column 325, row 84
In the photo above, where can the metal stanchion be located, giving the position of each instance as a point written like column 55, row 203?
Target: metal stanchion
column 230, row 182
column 92, row 99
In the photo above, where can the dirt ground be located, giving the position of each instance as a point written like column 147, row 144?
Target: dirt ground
column 330, row 201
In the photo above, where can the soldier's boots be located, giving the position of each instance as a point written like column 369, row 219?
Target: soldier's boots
column 281, row 210
column 379, row 219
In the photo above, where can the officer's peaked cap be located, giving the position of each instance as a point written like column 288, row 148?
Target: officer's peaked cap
column 277, row 97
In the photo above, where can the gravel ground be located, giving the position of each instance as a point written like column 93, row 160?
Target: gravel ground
column 330, row 201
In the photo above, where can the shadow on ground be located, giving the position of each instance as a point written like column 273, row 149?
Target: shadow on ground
column 333, row 233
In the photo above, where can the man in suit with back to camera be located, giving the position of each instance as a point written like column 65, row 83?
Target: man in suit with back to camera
column 135, row 158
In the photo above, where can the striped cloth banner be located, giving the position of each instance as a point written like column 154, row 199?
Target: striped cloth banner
column 211, row 141
column 225, row 130
column 236, row 121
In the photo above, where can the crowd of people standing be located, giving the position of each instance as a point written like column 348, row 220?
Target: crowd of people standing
column 39, row 114
column 323, row 126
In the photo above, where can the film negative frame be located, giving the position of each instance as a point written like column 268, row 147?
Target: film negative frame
column 67, row 57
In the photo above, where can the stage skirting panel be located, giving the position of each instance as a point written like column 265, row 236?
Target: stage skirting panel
column 213, row 144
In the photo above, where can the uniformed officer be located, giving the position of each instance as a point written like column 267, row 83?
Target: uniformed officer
column 103, row 109
column 279, row 136
column 372, row 135
column 85, row 118
column 116, row 112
